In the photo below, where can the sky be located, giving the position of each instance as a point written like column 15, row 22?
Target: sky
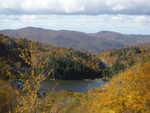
column 126, row 16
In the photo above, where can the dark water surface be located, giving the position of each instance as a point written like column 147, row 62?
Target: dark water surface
column 71, row 85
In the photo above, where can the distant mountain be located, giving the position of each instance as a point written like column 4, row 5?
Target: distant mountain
column 93, row 42
column 122, row 38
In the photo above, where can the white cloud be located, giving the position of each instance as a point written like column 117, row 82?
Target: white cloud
column 75, row 6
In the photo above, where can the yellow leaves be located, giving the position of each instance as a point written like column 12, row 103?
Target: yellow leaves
column 7, row 96
column 111, row 111
column 125, row 92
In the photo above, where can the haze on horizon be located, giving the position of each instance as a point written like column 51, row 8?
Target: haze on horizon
column 128, row 16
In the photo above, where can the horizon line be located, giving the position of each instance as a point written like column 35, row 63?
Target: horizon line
column 75, row 30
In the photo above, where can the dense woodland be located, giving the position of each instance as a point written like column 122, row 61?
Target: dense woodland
column 127, row 71
column 121, row 59
column 57, row 63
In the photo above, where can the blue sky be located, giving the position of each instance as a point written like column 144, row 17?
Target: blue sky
column 126, row 16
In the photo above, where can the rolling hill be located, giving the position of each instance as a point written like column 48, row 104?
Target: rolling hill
column 93, row 42
column 21, row 55
column 126, row 92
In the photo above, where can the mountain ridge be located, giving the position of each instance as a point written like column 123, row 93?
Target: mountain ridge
column 92, row 42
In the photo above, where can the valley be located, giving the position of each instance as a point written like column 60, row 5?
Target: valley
column 65, row 80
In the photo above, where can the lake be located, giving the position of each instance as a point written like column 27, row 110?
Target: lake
column 71, row 85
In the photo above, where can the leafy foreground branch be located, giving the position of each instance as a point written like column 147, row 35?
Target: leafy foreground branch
column 28, row 100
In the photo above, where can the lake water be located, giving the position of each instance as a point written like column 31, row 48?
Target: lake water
column 71, row 85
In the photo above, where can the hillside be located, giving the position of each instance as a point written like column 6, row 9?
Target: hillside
column 95, row 42
column 121, row 59
column 125, row 92
column 20, row 56
column 7, row 96
column 11, row 64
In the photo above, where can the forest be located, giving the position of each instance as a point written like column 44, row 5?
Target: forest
column 24, row 64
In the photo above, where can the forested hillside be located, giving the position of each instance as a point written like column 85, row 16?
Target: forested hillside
column 126, row 91
column 57, row 63
column 11, row 62
column 121, row 59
